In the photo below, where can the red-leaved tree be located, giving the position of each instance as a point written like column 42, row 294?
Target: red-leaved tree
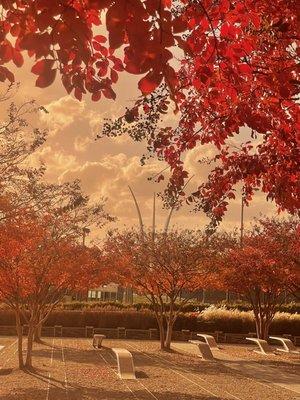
column 225, row 64
column 264, row 269
column 161, row 269
column 38, row 267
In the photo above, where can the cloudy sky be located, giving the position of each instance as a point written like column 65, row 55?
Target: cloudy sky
column 106, row 167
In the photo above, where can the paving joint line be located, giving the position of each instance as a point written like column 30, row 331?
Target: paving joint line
column 183, row 376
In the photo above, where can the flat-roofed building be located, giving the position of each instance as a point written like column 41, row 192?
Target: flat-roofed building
column 109, row 292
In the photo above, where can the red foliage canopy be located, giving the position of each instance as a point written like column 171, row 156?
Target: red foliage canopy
column 239, row 68
column 264, row 269
column 32, row 260
column 268, row 261
column 63, row 36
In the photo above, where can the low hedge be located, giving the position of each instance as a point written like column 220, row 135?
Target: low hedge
column 188, row 308
column 211, row 319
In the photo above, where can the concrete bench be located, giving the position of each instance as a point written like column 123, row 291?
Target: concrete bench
column 204, row 349
column 125, row 363
column 264, row 347
column 288, row 345
column 97, row 340
column 210, row 340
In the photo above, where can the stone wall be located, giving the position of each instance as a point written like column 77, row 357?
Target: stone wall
column 138, row 334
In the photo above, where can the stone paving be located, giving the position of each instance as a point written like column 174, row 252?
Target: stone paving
column 71, row 369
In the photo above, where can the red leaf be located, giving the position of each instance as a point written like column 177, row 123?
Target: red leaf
column 228, row 31
column 15, row 30
column 167, row 3
column 78, row 94
column 179, row 25
column 17, row 58
column 6, row 52
column 96, row 96
column 46, row 79
column 171, row 76
column 118, row 65
column 114, row 76
column 245, row 68
column 6, row 74
column 109, row 93
column 42, row 66
column 97, row 46
column 150, row 82
column 100, row 39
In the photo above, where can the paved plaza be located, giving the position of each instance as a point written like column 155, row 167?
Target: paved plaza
column 71, row 369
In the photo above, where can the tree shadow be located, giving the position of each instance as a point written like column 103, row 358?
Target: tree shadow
column 141, row 375
column 263, row 371
column 5, row 371
column 80, row 393
column 44, row 343
column 43, row 376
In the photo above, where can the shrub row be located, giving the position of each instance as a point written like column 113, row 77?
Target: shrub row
column 211, row 319
column 190, row 307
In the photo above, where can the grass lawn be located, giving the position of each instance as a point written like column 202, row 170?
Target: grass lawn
column 71, row 369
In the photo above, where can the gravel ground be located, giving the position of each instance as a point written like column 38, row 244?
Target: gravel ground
column 289, row 363
column 71, row 369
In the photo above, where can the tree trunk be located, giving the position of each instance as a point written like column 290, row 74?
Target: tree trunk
column 161, row 333
column 262, row 327
column 20, row 339
column 38, row 333
column 31, row 330
column 169, row 334
column 170, row 323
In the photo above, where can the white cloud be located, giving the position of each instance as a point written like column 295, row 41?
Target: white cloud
column 81, row 143
column 56, row 161
column 193, row 157
column 111, row 177
column 61, row 114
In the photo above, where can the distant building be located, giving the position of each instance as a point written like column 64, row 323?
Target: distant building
column 110, row 292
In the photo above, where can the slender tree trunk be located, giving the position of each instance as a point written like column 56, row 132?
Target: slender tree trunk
column 20, row 339
column 161, row 332
column 159, row 315
column 31, row 330
column 262, row 326
column 266, row 330
column 38, row 333
column 170, row 323
column 169, row 334
column 258, row 326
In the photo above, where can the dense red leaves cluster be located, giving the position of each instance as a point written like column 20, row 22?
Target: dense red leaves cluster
column 32, row 260
column 63, row 37
column 243, row 71
column 167, row 265
column 39, row 264
column 160, row 266
column 226, row 64
column 268, row 262
column 263, row 270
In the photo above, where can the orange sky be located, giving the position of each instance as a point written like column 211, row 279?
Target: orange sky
column 106, row 167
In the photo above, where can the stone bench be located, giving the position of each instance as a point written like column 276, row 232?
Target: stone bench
column 125, row 363
column 264, row 347
column 204, row 349
column 97, row 340
column 288, row 345
column 210, row 340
